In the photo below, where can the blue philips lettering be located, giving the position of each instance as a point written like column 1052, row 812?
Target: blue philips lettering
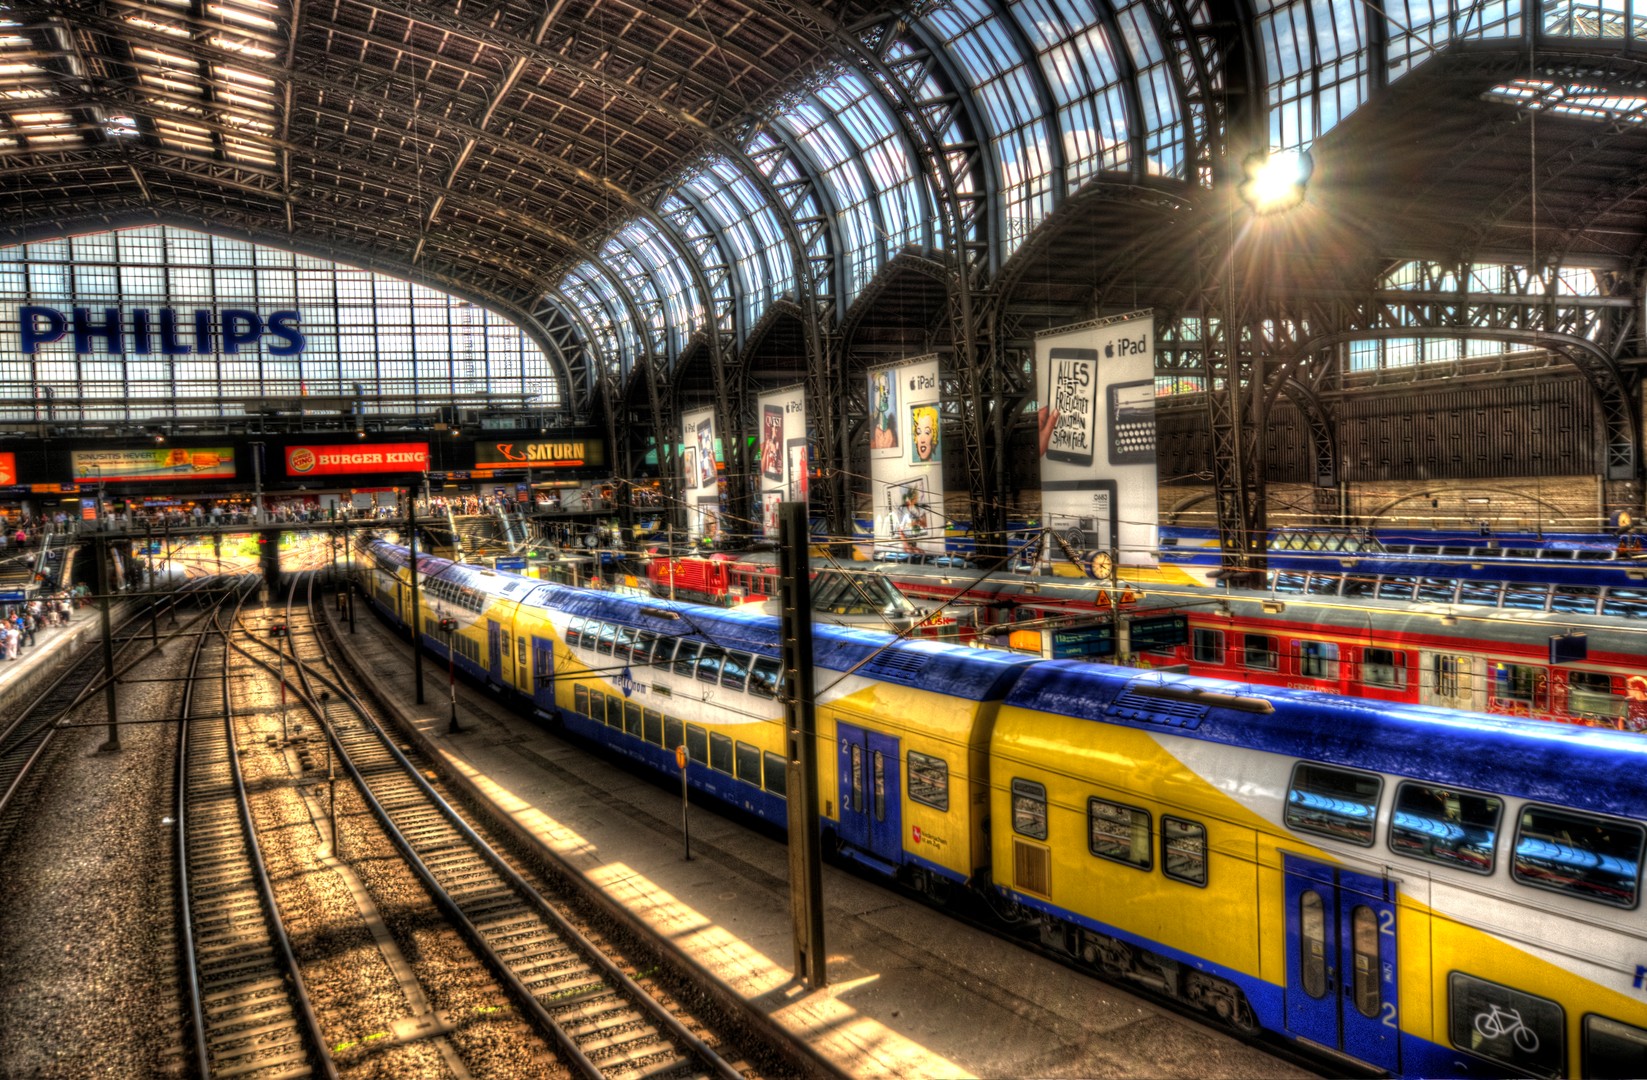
column 109, row 330
column 33, row 335
column 140, row 332
column 162, row 330
column 169, row 344
column 283, row 325
column 202, row 331
column 233, row 336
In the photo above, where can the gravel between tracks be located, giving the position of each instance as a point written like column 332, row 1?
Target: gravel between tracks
column 83, row 914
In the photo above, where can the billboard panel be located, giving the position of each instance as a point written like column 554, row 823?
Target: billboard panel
column 699, row 473
column 360, row 458
column 540, row 453
column 782, row 457
column 1096, row 423
column 906, row 459
column 8, row 469
column 154, row 463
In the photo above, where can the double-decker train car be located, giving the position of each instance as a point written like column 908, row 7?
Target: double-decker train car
column 1431, row 640
column 1430, row 892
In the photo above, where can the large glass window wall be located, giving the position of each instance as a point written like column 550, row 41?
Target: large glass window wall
column 384, row 344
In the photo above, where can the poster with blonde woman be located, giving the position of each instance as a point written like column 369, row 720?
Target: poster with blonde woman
column 923, row 435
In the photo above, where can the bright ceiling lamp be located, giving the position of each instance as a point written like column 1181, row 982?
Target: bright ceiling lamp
column 1276, row 182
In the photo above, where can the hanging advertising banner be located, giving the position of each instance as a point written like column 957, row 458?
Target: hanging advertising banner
column 783, row 452
column 358, row 458
column 699, row 473
column 154, row 463
column 540, row 453
column 906, row 460
column 1095, row 385
column 8, row 469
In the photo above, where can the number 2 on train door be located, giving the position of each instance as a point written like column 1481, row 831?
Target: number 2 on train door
column 1341, row 961
column 870, row 792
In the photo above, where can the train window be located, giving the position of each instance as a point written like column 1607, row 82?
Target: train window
column 674, row 732
column 1593, row 555
column 697, row 744
column 604, row 639
column 1625, row 603
column 664, row 651
column 1520, row 553
column 720, row 752
column 1575, row 599
column 1456, row 552
column 1364, row 950
column 686, row 658
column 1519, row 689
column 1384, row 667
column 1479, row 593
column 748, row 759
column 928, row 780
column 1396, row 588
column 764, row 677
column 580, row 699
column 624, row 645
column 1613, row 1050
column 1208, row 646
column 1288, row 583
column 877, row 783
column 1029, row 809
column 777, row 774
column 1318, row 659
column 1434, row 590
column 1323, row 584
column 709, row 665
column 632, row 718
column 1557, row 553
column 1333, row 802
column 855, row 796
column 1523, row 1032
column 1258, row 652
column 1595, row 694
column 574, row 630
column 734, row 670
column 1425, row 549
column 1440, row 825
column 1119, row 833
column 1312, row 933
column 1591, row 858
column 1522, row 597
column 520, row 650
column 1184, row 850
column 614, row 711
column 652, row 727
column 645, row 642
column 1356, row 585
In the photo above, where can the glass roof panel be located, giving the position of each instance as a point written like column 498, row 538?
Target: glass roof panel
column 586, row 290
column 705, row 246
column 1079, row 62
column 996, row 67
column 764, row 259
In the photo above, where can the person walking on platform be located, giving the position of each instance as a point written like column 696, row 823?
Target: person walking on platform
column 11, row 640
column 29, row 625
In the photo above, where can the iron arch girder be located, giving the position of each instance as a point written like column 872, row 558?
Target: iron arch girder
column 1323, row 429
column 823, row 227
column 576, row 334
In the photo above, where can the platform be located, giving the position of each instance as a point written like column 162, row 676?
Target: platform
column 912, row 992
column 35, row 665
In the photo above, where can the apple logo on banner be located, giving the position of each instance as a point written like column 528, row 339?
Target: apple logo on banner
column 1109, row 350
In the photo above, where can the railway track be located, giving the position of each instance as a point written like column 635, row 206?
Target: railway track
column 592, row 1007
column 25, row 738
column 251, row 1014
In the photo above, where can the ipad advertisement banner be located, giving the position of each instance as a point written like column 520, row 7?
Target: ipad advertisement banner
column 1095, row 421
column 906, row 459
column 782, row 456
column 698, row 471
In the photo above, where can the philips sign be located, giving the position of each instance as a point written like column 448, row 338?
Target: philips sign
column 162, row 330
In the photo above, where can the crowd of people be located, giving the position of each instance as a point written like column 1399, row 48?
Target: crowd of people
column 22, row 622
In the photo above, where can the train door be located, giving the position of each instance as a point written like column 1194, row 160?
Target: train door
column 869, row 792
column 494, row 650
column 1341, row 961
column 1452, row 681
column 543, row 673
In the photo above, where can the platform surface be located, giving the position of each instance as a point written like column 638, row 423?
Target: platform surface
column 912, row 992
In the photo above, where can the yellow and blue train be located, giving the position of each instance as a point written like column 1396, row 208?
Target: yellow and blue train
column 1431, row 893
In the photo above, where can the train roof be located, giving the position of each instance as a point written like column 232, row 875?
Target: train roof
column 973, row 674
column 1585, row 768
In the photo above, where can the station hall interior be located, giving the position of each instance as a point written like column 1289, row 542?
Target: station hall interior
column 1298, row 343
